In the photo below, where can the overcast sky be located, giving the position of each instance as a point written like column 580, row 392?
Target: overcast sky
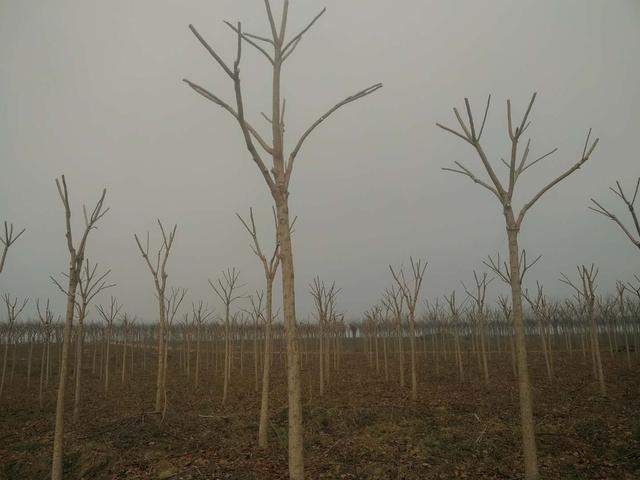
column 93, row 90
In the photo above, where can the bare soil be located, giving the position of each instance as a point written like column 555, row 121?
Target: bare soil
column 363, row 427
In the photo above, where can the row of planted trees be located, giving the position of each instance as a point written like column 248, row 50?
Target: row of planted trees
column 445, row 330
column 203, row 347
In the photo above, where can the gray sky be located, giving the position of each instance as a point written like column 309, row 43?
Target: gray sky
column 93, row 90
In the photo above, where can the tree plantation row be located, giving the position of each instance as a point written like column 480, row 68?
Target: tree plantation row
column 113, row 349
column 398, row 339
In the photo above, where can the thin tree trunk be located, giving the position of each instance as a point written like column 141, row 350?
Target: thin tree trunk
column 263, row 428
column 161, row 346
column 78, row 379
column 56, row 468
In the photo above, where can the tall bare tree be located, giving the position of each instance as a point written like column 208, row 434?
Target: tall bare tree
column 159, row 273
column 226, row 288
column 276, row 48
column 7, row 240
column 410, row 291
column 517, row 164
column 630, row 203
column 76, row 260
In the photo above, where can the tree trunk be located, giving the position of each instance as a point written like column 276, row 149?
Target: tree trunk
column 227, row 353
column 263, row 428
column 524, row 386
column 412, row 347
column 29, row 359
column 78, row 379
column 197, row 372
column 4, row 362
column 400, row 351
column 106, row 363
column 56, row 468
column 161, row 345
column 296, row 454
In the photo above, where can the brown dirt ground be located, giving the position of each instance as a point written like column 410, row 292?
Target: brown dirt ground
column 363, row 428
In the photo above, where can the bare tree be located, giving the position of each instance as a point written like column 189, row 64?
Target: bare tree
column 629, row 202
column 585, row 295
column 159, row 273
column 277, row 179
column 478, row 296
column 46, row 324
column 542, row 311
column 226, row 289
column 324, row 300
column 410, row 291
column 90, row 284
column 76, row 260
column 201, row 315
column 14, row 309
column 454, row 308
column 516, row 165
column 270, row 267
column 393, row 300
column 373, row 318
column 7, row 240
column 173, row 302
column 108, row 315
column 620, row 291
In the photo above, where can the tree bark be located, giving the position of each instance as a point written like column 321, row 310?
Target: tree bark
column 524, row 385
column 263, row 428
column 56, row 468
column 294, row 387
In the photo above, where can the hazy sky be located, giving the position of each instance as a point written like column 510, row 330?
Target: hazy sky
column 93, row 89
